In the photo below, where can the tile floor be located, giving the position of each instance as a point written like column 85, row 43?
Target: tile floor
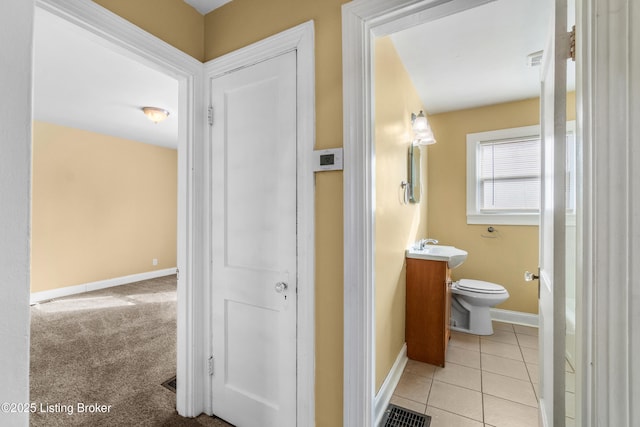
column 488, row 381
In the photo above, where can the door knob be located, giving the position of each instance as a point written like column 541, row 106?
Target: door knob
column 281, row 287
column 528, row 276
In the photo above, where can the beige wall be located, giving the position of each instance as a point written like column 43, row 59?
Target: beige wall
column 173, row 21
column 505, row 258
column 102, row 207
column 241, row 23
column 397, row 225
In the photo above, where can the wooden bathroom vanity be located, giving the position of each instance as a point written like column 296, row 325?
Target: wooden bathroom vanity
column 428, row 308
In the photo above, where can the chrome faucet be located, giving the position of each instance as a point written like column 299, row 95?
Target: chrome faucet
column 424, row 242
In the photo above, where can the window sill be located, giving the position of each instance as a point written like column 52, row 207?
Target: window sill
column 504, row 219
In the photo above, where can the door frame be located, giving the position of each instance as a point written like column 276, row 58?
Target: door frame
column 608, row 54
column 362, row 22
column 135, row 43
column 301, row 40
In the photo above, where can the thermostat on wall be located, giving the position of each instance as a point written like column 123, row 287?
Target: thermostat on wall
column 327, row 160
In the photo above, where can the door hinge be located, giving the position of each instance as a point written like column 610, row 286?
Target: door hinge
column 177, row 274
column 210, row 115
column 572, row 44
column 211, row 365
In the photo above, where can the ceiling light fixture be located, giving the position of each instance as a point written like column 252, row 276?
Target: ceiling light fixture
column 423, row 135
column 155, row 114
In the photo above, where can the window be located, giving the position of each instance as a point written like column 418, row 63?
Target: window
column 503, row 175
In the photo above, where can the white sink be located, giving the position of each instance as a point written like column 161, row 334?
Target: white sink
column 452, row 255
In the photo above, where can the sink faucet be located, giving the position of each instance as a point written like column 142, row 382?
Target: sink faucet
column 424, row 242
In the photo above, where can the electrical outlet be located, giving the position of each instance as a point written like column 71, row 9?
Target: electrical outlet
column 155, row 261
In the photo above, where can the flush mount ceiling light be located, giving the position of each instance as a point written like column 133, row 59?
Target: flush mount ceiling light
column 423, row 135
column 155, row 114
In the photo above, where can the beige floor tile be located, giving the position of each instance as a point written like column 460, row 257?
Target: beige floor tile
column 408, row 404
column 529, row 341
column 458, row 400
column 527, row 330
column 570, row 404
column 501, row 349
column 413, row 387
column 501, row 336
column 570, row 381
column 536, row 390
column 459, row 375
column 502, row 326
column 505, row 413
column 530, row 354
column 466, row 341
column 509, row 388
column 419, row 368
column 440, row 418
column 504, row 366
column 568, row 367
column 461, row 356
column 534, row 372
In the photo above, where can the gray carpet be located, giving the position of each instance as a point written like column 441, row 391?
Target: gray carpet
column 114, row 347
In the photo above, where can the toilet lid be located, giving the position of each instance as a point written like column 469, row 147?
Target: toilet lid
column 479, row 286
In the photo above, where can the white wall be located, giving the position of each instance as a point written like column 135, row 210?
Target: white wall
column 16, row 28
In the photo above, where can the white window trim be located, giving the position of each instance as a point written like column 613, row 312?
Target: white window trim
column 474, row 216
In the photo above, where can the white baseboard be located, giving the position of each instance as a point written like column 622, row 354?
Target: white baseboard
column 389, row 385
column 37, row 297
column 516, row 317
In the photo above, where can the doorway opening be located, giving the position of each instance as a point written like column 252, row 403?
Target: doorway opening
column 362, row 26
column 117, row 38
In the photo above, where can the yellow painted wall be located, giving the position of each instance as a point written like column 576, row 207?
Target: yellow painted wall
column 503, row 259
column 242, row 22
column 102, row 207
column 173, row 21
column 397, row 225
column 239, row 24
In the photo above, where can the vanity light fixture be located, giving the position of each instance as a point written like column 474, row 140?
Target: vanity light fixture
column 155, row 114
column 423, row 135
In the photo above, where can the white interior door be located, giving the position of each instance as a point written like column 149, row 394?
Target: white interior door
column 552, row 221
column 254, row 265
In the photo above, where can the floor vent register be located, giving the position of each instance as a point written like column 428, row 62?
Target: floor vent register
column 396, row 416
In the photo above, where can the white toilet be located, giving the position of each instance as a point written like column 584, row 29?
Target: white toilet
column 470, row 303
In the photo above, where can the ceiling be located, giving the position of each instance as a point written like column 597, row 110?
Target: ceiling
column 81, row 82
column 473, row 58
column 206, row 6
column 478, row 56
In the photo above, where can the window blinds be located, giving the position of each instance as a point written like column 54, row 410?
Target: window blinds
column 509, row 178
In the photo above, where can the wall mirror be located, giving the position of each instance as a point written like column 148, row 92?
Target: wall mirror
column 413, row 175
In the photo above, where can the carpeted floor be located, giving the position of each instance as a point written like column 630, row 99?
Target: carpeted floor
column 108, row 352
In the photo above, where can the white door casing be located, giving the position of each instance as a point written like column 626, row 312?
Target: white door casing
column 254, row 260
column 551, row 312
column 362, row 21
column 296, row 43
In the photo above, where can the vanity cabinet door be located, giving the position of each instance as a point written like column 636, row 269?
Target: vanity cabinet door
column 427, row 310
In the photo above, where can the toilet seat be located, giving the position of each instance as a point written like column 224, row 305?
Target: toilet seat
column 479, row 286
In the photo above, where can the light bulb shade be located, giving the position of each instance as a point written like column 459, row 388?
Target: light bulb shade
column 419, row 122
column 427, row 141
column 155, row 114
column 422, row 131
